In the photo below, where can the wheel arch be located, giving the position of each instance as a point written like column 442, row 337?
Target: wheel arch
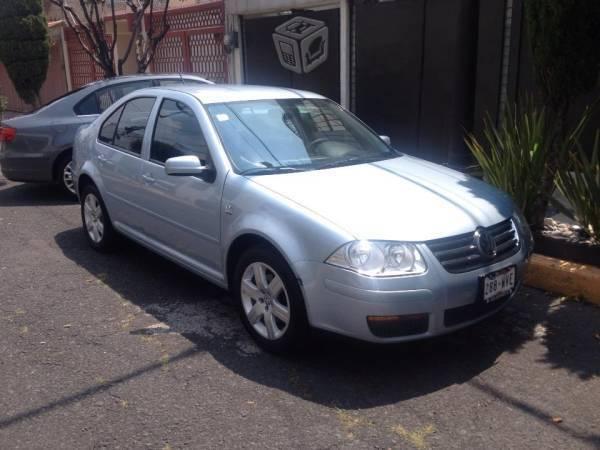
column 243, row 242
column 60, row 157
column 84, row 180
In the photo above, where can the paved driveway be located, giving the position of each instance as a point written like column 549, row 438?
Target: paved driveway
column 129, row 351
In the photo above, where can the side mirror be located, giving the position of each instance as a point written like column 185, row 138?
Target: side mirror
column 189, row 165
column 386, row 139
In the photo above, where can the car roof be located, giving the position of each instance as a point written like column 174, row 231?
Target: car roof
column 223, row 93
column 144, row 76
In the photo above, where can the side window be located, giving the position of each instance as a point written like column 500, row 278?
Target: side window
column 177, row 133
column 168, row 82
column 107, row 131
column 130, row 131
column 121, row 90
column 87, row 106
column 104, row 99
column 175, row 81
column 100, row 100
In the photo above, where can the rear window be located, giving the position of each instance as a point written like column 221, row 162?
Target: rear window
column 57, row 99
column 98, row 101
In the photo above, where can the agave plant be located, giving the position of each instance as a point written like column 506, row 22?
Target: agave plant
column 579, row 182
column 523, row 152
column 515, row 153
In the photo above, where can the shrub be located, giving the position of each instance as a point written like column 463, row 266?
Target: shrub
column 3, row 105
column 514, row 156
column 579, row 182
column 565, row 38
column 24, row 46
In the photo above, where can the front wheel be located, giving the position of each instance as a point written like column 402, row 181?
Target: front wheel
column 270, row 300
column 96, row 222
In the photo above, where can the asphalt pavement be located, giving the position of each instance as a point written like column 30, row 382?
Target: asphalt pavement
column 127, row 350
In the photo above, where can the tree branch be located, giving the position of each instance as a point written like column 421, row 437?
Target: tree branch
column 152, row 41
column 89, row 31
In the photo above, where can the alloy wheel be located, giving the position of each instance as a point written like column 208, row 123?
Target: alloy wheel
column 67, row 178
column 94, row 218
column 265, row 300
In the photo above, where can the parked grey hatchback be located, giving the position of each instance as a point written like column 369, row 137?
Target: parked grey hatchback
column 37, row 147
column 306, row 215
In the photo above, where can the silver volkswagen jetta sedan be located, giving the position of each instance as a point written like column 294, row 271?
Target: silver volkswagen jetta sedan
column 301, row 211
column 37, row 147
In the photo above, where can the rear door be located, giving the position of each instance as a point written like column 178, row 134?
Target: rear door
column 118, row 154
column 182, row 211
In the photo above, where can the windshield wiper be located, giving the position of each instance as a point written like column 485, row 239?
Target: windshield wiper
column 274, row 169
column 354, row 160
column 343, row 162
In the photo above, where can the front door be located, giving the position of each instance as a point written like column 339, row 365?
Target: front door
column 182, row 211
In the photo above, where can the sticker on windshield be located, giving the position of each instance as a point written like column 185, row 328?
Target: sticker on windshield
column 222, row 117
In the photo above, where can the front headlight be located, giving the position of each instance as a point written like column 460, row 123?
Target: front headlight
column 379, row 258
column 523, row 227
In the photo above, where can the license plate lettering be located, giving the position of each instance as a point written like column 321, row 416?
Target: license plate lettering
column 498, row 284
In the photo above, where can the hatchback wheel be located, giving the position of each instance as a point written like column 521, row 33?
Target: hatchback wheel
column 270, row 300
column 96, row 222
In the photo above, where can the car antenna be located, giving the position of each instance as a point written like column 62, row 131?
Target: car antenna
column 181, row 78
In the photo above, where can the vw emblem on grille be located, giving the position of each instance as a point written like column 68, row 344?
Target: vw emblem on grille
column 485, row 243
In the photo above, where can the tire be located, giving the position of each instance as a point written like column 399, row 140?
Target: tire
column 64, row 176
column 263, row 304
column 97, row 226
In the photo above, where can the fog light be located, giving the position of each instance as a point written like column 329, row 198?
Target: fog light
column 397, row 326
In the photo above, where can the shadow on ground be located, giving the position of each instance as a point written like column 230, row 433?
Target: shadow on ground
column 334, row 372
column 33, row 194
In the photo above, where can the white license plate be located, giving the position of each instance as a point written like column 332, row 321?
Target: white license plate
column 499, row 284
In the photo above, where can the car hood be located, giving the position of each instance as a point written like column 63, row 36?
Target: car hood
column 404, row 198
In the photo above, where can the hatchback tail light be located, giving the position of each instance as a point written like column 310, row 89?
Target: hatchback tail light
column 7, row 134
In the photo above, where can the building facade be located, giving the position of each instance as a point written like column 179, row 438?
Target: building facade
column 420, row 71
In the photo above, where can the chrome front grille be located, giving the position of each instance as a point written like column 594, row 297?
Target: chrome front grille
column 460, row 254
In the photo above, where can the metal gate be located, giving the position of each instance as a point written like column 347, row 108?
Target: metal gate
column 194, row 43
column 83, row 68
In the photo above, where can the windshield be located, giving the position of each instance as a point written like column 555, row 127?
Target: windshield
column 265, row 136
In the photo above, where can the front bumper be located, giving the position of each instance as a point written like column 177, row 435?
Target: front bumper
column 340, row 301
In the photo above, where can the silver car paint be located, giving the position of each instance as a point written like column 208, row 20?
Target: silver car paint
column 306, row 216
column 44, row 135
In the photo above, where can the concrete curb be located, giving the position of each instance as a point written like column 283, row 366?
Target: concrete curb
column 564, row 277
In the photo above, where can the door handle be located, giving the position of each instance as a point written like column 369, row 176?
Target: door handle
column 148, row 178
column 104, row 160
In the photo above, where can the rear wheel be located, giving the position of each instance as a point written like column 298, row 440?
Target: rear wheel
column 96, row 222
column 64, row 175
column 270, row 300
